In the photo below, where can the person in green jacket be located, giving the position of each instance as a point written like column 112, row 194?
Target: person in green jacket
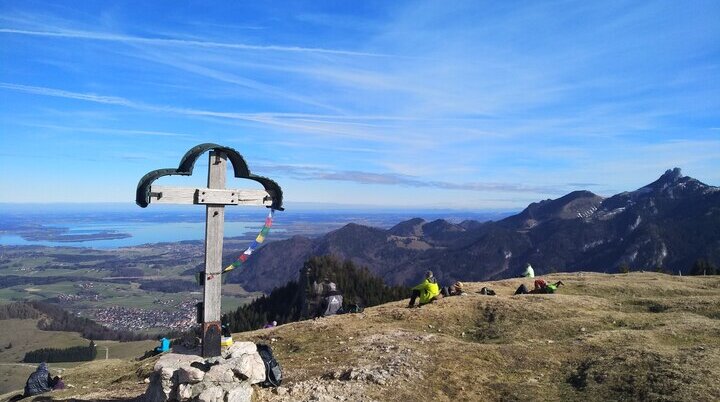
column 427, row 291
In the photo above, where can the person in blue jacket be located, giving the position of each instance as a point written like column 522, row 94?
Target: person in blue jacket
column 39, row 382
column 164, row 345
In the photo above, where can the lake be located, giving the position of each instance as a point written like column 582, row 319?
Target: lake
column 140, row 233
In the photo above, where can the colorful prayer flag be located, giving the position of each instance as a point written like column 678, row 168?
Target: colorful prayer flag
column 259, row 239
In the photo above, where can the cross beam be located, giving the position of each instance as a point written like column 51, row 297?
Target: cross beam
column 180, row 195
column 215, row 197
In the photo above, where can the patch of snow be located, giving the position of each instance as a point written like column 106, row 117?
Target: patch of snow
column 663, row 252
column 593, row 244
column 635, row 224
column 615, row 211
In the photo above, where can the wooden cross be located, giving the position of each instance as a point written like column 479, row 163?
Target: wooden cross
column 215, row 197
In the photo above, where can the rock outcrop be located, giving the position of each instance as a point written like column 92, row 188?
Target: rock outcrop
column 227, row 378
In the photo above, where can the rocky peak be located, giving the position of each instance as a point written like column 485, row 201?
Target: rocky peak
column 671, row 184
column 669, row 178
column 672, row 174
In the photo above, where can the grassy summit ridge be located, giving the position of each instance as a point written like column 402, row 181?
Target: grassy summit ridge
column 638, row 336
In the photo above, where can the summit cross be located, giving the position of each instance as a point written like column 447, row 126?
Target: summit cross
column 215, row 197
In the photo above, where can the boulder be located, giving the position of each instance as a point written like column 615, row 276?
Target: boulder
column 212, row 394
column 184, row 392
column 248, row 367
column 190, row 375
column 175, row 360
column 241, row 393
column 238, row 349
column 220, row 373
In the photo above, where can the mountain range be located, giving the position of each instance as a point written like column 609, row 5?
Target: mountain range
column 665, row 225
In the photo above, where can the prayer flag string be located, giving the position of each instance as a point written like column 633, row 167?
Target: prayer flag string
column 258, row 240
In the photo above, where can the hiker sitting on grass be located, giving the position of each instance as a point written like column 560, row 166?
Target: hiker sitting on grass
column 427, row 291
column 455, row 290
column 164, row 345
column 529, row 271
column 39, row 382
column 57, row 383
column 332, row 299
column 541, row 287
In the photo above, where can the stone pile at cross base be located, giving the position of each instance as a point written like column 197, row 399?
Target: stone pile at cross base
column 226, row 378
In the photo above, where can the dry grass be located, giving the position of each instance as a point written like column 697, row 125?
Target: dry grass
column 642, row 336
column 25, row 336
column 633, row 337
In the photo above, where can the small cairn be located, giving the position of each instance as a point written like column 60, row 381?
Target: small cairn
column 226, row 378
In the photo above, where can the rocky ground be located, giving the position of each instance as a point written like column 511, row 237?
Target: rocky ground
column 638, row 336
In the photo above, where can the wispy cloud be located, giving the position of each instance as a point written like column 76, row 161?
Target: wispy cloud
column 288, row 144
column 59, row 93
column 254, row 85
column 279, row 120
column 393, row 179
column 111, row 131
column 100, row 36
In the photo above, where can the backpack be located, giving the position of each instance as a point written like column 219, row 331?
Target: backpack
column 333, row 303
column 273, row 372
column 351, row 308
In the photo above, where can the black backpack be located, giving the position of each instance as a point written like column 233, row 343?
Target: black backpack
column 351, row 308
column 273, row 372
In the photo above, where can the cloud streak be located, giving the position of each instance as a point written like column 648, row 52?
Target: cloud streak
column 99, row 36
column 59, row 93
column 278, row 120
column 111, row 131
column 393, row 179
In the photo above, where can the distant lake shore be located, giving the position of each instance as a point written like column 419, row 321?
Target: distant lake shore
column 119, row 234
column 115, row 227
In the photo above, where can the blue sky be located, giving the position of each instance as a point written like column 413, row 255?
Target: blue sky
column 469, row 105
